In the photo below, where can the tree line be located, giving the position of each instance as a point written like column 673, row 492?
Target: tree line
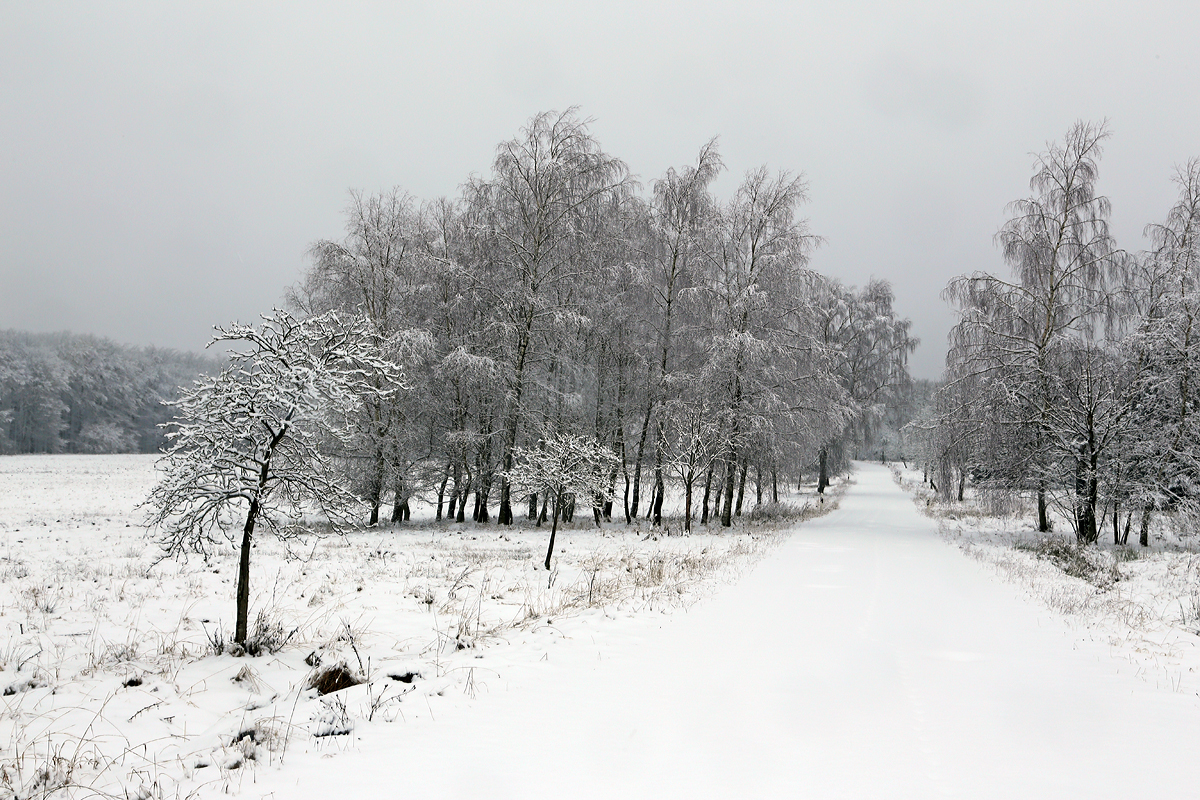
column 557, row 297
column 553, row 335
column 73, row 393
column 1073, row 380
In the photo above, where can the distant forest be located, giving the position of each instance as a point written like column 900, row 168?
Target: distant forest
column 75, row 393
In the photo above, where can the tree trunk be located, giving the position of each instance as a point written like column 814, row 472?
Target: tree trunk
column 483, row 515
column 718, row 493
column 1043, row 514
column 553, row 528
column 823, row 478
column 637, row 464
column 757, row 486
column 659, row 491
column 461, row 514
column 442, row 490
column 1144, row 538
column 687, row 503
column 707, row 491
column 455, row 492
column 625, row 500
column 533, row 509
column 375, row 489
column 774, row 485
column 399, row 503
column 962, row 484
column 741, row 490
column 243, row 585
column 730, row 480
column 1085, row 503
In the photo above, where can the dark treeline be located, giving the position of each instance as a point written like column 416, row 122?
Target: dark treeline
column 73, row 393
column 1073, row 379
column 559, row 297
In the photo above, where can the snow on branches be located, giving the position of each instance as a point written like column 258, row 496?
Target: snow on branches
column 254, row 440
column 564, row 465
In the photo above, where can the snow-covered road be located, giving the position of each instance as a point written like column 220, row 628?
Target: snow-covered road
column 864, row 658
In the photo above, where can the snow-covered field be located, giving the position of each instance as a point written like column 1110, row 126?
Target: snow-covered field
column 862, row 658
column 1143, row 603
column 108, row 657
column 857, row 656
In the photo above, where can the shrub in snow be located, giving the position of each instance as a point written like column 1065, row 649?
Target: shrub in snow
column 1079, row 561
column 333, row 678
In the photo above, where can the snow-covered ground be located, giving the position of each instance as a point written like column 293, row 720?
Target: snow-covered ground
column 857, row 656
column 863, row 658
column 107, row 661
column 1141, row 603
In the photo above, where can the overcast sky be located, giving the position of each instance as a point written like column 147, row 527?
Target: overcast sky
column 164, row 166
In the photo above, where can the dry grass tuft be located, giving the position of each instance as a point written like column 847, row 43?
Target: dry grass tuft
column 333, row 678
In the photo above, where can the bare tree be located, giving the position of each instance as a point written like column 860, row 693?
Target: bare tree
column 1016, row 331
column 534, row 214
column 249, row 441
column 560, row 466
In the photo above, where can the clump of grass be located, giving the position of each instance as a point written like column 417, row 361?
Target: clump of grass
column 333, row 678
column 121, row 653
column 1087, row 563
column 268, row 635
column 778, row 512
column 43, row 599
column 1191, row 611
column 43, row 769
column 1125, row 554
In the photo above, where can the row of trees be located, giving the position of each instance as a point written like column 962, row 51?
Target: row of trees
column 70, row 393
column 551, row 334
column 555, row 298
column 1075, row 379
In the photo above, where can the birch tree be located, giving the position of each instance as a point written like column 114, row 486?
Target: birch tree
column 533, row 215
column 680, row 228
column 1016, row 331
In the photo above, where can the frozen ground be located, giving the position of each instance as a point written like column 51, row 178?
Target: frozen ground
column 862, row 657
column 1142, row 603
column 107, row 665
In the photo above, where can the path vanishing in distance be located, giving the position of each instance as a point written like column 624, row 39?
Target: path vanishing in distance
column 864, row 658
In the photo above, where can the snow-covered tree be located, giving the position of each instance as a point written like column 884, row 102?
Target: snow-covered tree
column 679, row 227
column 1022, row 335
column 866, row 348
column 692, row 444
column 563, row 465
column 249, row 446
column 757, row 280
column 1161, row 465
column 537, row 221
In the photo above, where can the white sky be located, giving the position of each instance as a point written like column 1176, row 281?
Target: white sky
column 163, row 167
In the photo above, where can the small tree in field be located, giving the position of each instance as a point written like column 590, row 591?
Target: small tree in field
column 564, row 465
column 250, row 445
column 693, row 447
